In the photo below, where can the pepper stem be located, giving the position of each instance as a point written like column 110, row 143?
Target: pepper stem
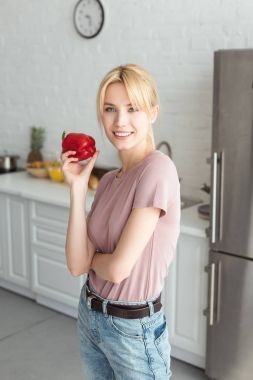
column 63, row 135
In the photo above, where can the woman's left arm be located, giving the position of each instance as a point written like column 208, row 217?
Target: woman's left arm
column 117, row 266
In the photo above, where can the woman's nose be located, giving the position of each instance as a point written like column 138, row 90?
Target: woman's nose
column 122, row 118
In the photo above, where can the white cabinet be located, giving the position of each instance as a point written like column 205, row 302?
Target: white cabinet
column 2, row 235
column 52, row 283
column 32, row 253
column 185, row 298
column 14, row 244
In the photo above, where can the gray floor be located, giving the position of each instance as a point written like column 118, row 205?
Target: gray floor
column 37, row 343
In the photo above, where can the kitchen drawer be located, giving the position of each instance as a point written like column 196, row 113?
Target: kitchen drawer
column 51, row 214
column 49, row 252
column 48, row 236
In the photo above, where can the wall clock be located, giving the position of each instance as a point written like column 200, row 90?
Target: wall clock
column 88, row 18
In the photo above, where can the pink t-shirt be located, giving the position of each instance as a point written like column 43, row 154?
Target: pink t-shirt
column 153, row 182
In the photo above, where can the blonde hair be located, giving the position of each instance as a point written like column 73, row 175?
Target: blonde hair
column 140, row 87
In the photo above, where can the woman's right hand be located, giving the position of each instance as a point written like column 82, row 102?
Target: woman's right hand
column 74, row 172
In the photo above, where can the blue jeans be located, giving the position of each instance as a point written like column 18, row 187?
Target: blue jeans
column 120, row 348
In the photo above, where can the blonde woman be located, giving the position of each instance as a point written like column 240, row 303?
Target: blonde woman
column 128, row 239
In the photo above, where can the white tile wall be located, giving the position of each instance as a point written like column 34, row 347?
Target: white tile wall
column 49, row 75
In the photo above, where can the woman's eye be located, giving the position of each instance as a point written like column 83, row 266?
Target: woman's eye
column 110, row 109
column 133, row 109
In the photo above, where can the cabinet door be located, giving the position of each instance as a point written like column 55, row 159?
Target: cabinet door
column 15, row 240
column 3, row 247
column 185, row 298
column 51, row 277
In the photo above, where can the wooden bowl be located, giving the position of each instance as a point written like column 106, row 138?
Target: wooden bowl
column 38, row 172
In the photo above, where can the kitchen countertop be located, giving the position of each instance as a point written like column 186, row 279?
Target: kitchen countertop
column 40, row 189
column 192, row 223
column 45, row 190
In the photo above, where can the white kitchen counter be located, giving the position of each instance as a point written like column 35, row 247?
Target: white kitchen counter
column 39, row 189
column 45, row 190
column 191, row 223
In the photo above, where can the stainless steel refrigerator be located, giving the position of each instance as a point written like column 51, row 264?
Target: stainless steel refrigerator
column 229, row 354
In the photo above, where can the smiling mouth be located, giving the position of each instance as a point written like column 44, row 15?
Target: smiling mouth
column 122, row 134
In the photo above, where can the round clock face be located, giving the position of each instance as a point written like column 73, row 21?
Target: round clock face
column 88, row 18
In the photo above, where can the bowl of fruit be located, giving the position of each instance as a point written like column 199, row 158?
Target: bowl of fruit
column 38, row 168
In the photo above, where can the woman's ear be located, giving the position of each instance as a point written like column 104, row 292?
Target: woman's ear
column 154, row 114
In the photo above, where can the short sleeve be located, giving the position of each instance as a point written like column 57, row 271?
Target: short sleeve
column 101, row 186
column 157, row 186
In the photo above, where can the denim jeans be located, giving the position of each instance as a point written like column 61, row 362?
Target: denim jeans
column 120, row 348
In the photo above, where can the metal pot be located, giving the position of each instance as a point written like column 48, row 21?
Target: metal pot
column 8, row 163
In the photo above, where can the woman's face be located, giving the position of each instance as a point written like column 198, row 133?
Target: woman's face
column 124, row 125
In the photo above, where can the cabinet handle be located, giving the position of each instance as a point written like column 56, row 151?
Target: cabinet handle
column 207, row 231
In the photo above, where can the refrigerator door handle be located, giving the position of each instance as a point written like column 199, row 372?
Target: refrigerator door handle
column 211, row 294
column 214, row 197
column 221, row 161
column 218, row 293
column 209, row 311
column 214, row 296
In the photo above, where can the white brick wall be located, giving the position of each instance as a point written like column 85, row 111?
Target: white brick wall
column 49, row 75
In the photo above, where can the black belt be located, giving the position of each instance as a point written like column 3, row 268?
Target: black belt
column 121, row 311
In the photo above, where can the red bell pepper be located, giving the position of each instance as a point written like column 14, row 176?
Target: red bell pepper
column 82, row 144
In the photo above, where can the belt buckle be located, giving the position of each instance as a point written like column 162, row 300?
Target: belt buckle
column 89, row 299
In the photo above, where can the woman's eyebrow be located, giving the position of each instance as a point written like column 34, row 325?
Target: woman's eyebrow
column 111, row 104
